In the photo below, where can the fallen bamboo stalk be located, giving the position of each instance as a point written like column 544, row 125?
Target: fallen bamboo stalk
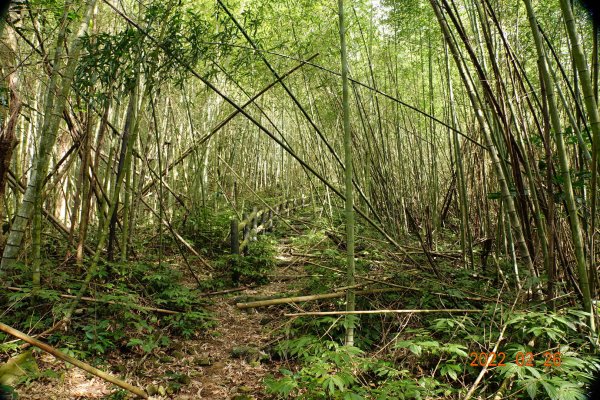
column 282, row 277
column 490, row 357
column 86, row 367
column 93, row 300
column 487, row 363
column 450, row 310
column 307, row 255
column 299, row 299
column 358, row 285
column 385, row 282
column 225, row 291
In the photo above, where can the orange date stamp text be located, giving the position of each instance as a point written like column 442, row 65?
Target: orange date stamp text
column 492, row 359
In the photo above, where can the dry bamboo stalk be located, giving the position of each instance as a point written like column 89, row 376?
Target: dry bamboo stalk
column 86, row 367
column 384, row 282
column 225, row 291
column 298, row 299
column 485, row 368
column 449, row 310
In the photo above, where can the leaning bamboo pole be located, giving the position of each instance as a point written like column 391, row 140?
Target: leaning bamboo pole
column 350, row 297
column 491, row 146
column 86, row 367
column 56, row 94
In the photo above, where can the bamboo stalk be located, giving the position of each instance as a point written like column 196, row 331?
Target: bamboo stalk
column 487, row 363
column 225, row 291
column 317, row 313
column 385, row 282
column 298, row 299
column 86, row 367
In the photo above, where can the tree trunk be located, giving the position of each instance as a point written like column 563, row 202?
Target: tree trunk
column 350, row 300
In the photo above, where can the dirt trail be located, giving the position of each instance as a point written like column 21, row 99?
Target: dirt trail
column 237, row 364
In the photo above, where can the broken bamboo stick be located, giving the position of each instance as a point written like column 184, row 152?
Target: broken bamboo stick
column 86, row 367
column 387, row 283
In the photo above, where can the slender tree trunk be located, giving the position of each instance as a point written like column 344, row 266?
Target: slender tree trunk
column 127, row 142
column 131, row 125
column 465, row 231
column 350, row 299
column 8, row 115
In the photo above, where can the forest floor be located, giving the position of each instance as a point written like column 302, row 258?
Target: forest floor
column 227, row 363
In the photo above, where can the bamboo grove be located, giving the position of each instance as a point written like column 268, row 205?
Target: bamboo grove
column 478, row 117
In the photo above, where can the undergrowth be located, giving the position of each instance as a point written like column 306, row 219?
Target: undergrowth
column 119, row 318
column 544, row 353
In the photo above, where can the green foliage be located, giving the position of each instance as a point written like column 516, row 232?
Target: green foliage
column 332, row 371
column 327, row 372
column 437, row 356
column 208, row 230
column 541, row 333
column 187, row 324
column 253, row 267
column 117, row 321
column 120, row 394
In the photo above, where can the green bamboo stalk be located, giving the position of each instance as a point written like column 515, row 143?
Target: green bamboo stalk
column 465, row 232
column 594, row 117
column 491, row 146
column 563, row 159
column 130, row 125
column 350, row 299
column 56, row 95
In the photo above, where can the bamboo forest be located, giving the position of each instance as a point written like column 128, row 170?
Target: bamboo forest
column 299, row 199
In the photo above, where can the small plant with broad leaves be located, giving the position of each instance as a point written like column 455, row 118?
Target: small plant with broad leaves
column 329, row 370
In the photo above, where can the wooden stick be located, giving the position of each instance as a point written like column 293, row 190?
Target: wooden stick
column 385, row 282
column 298, row 299
column 225, row 291
column 487, row 363
column 381, row 312
column 298, row 277
column 358, row 285
column 86, row 367
column 490, row 358
column 91, row 299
